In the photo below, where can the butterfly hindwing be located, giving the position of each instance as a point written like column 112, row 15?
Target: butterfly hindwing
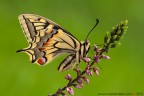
column 67, row 63
column 47, row 39
column 60, row 43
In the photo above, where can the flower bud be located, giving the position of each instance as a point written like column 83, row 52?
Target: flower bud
column 76, row 69
column 87, row 60
column 89, row 73
column 70, row 90
column 125, row 22
column 86, row 79
column 68, row 77
column 96, row 59
column 105, row 57
column 96, row 71
column 79, row 81
column 79, row 85
column 96, row 48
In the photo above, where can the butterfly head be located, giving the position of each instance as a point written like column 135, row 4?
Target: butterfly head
column 85, row 46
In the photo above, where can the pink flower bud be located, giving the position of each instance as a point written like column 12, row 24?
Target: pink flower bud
column 96, row 48
column 88, row 67
column 96, row 71
column 89, row 73
column 87, row 60
column 68, row 77
column 76, row 69
column 70, row 90
column 96, row 59
column 78, row 86
column 105, row 57
column 86, row 80
column 79, row 81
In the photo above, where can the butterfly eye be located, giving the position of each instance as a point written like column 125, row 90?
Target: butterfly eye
column 86, row 42
column 38, row 19
column 86, row 47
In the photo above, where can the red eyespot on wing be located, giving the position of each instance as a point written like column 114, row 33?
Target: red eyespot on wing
column 42, row 61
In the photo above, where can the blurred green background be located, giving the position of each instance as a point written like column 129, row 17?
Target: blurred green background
column 123, row 73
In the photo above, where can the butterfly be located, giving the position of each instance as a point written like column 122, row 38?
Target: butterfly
column 47, row 40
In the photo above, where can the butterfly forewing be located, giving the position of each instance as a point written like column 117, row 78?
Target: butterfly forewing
column 47, row 40
column 33, row 25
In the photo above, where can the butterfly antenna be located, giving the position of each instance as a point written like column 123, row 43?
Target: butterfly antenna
column 97, row 21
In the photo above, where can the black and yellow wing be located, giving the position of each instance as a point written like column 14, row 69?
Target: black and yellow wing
column 47, row 40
